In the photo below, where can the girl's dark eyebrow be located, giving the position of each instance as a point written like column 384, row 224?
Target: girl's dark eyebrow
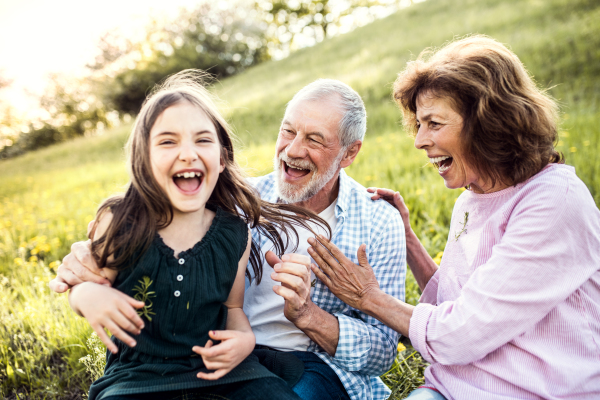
column 169, row 133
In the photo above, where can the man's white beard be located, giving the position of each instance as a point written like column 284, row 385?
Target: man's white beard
column 294, row 194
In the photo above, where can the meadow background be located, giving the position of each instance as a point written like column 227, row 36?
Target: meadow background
column 47, row 197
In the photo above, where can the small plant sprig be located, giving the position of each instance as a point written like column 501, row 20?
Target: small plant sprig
column 142, row 294
column 464, row 226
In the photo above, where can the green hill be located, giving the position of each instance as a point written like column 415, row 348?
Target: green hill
column 48, row 196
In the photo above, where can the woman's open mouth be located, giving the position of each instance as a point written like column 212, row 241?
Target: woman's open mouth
column 295, row 171
column 188, row 182
column 442, row 163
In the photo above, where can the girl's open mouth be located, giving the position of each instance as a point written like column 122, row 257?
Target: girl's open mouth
column 188, row 181
column 442, row 163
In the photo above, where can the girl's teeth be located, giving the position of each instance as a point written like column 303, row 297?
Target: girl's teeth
column 188, row 175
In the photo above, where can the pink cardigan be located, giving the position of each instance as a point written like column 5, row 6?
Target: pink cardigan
column 514, row 310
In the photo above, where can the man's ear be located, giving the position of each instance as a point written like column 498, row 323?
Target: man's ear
column 351, row 153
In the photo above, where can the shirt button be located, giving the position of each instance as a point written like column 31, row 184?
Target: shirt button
column 179, row 278
column 181, row 261
column 177, row 293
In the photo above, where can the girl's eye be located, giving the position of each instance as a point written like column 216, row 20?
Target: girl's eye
column 434, row 124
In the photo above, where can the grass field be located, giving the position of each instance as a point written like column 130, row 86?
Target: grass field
column 47, row 197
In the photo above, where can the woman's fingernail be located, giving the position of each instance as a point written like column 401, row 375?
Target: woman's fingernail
column 311, row 240
column 285, row 257
column 132, row 343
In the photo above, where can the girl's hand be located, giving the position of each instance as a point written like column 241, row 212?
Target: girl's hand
column 395, row 200
column 235, row 346
column 105, row 307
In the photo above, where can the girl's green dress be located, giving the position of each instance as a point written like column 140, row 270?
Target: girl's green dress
column 184, row 300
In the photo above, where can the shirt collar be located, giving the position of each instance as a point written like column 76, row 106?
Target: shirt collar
column 344, row 192
column 343, row 198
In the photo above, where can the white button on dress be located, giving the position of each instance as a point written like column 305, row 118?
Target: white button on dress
column 177, row 293
column 181, row 261
column 179, row 278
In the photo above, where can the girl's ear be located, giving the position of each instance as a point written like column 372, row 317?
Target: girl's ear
column 223, row 157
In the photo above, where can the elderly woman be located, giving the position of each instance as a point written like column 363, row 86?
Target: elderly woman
column 513, row 311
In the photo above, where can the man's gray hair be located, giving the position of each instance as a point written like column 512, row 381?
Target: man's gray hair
column 353, row 124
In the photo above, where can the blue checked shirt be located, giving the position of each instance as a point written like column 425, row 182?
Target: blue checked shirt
column 366, row 347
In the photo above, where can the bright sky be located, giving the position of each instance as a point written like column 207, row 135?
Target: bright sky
column 42, row 36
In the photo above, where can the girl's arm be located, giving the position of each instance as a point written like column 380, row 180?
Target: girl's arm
column 238, row 341
column 105, row 307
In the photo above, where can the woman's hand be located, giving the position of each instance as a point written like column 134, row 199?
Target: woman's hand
column 235, row 346
column 105, row 307
column 351, row 283
column 395, row 200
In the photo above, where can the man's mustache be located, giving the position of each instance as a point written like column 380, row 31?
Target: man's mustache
column 297, row 163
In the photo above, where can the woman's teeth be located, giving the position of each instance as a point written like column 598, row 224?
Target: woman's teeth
column 188, row 175
column 437, row 162
column 443, row 168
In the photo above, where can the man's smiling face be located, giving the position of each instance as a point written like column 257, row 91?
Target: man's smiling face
column 308, row 149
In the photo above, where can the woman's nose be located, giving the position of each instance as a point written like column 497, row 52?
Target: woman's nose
column 422, row 139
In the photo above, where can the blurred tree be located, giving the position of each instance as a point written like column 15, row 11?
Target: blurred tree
column 72, row 110
column 293, row 24
column 8, row 120
column 222, row 38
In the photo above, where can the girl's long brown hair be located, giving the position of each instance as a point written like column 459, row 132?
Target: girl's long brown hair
column 144, row 209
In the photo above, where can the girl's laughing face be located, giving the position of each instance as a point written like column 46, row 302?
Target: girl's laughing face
column 185, row 154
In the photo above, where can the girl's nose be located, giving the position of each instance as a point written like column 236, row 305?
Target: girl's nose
column 187, row 153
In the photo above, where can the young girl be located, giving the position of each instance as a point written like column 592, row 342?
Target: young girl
column 176, row 246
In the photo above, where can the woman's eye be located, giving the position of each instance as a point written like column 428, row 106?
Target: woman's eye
column 434, row 124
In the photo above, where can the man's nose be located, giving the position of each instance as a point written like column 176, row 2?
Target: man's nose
column 295, row 149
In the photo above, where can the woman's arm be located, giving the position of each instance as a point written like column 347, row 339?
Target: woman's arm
column 238, row 340
column 357, row 286
column 420, row 262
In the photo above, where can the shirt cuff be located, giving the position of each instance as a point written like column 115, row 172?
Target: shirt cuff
column 354, row 343
column 429, row 295
column 417, row 331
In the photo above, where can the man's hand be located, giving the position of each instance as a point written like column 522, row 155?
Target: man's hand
column 105, row 307
column 293, row 271
column 235, row 346
column 77, row 267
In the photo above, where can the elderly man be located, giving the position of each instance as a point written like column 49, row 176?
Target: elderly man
column 343, row 350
